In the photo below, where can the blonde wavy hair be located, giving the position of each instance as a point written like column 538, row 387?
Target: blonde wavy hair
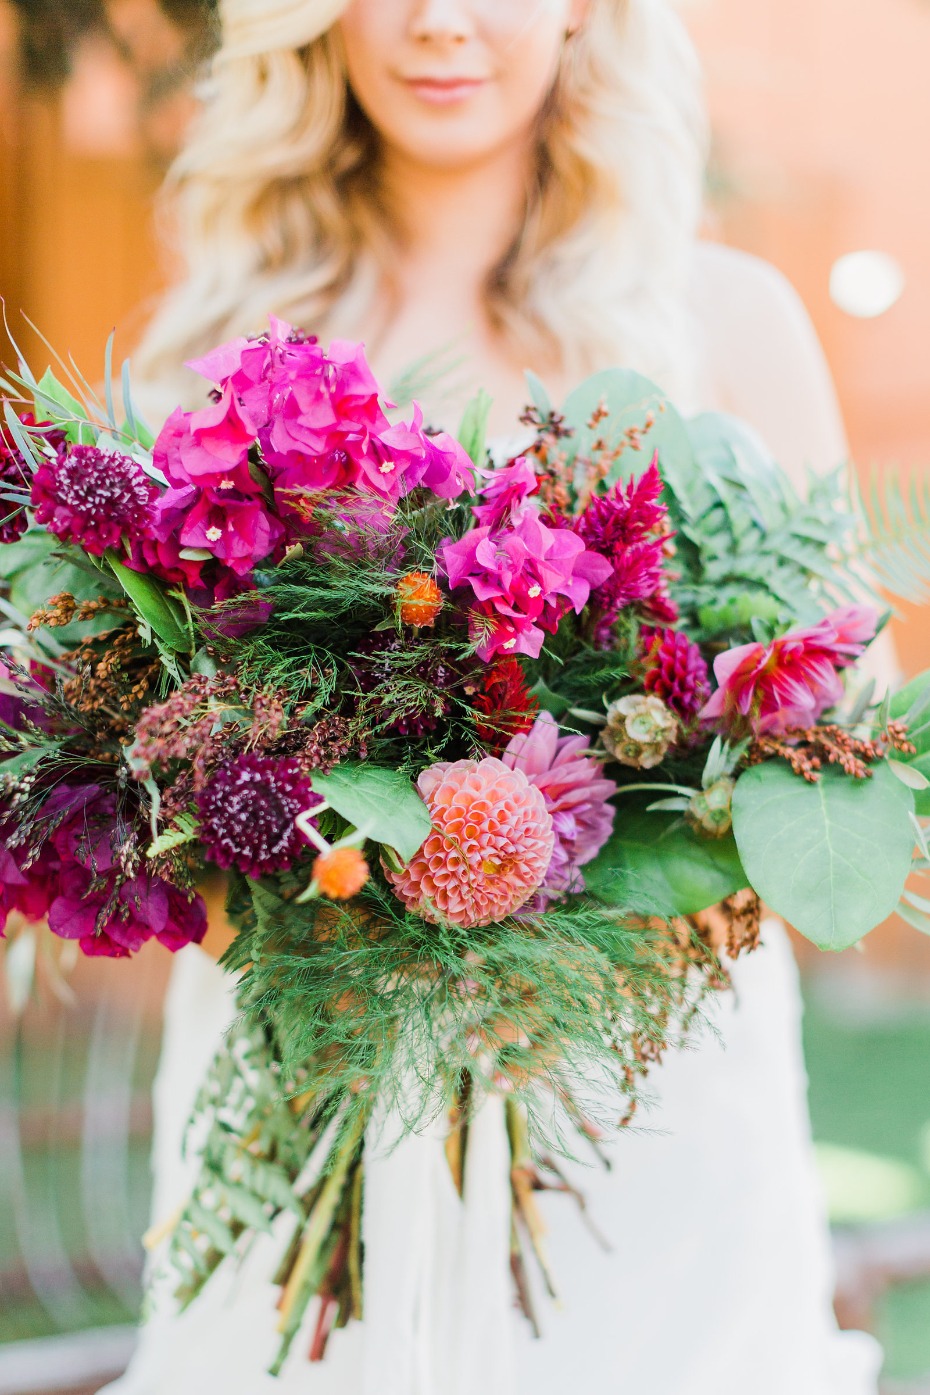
column 275, row 204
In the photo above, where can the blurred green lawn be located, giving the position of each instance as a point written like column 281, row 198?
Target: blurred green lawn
column 870, row 1106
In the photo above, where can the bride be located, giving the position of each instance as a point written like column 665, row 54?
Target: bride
column 475, row 187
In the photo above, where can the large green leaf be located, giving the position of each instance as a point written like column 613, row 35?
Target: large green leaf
column 656, row 860
column 381, row 803
column 159, row 612
column 629, row 398
column 833, row 857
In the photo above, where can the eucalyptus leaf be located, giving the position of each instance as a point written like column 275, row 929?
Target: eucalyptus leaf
column 157, row 610
column 473, row 430
column 830, row 857
column 54, row 402
column 380, row 803
column 909, row 775
column 910, row 704
column 657, row 860
column 629, row 398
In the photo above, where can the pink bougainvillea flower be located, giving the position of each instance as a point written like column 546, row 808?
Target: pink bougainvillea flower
column 97, row 499
column 577, row 794
column 524, row 578
column 489, row 849
column 399, row 458
column 790, row 683
column 505, row 491
column 209, row 446
column 240, row 532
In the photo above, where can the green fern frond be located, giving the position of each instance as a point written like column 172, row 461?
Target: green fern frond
column 894, row 545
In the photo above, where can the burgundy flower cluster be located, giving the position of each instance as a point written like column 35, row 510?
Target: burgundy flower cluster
column 16, row 476
column 80, row 884
column 287, row 420
column 629, row 527
column 94, row 498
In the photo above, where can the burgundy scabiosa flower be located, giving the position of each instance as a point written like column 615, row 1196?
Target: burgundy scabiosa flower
column 489, row 848
column 94, row 498
column 248, row 811
column 675, row 671
column 572, row 782
column 790, row 683
column 424, row 699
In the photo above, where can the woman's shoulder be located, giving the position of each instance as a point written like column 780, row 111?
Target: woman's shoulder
column 746, row 304
column 761, row 355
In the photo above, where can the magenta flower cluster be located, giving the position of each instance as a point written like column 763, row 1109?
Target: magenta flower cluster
column 77, row 883
column 577, row 794
column 524, row 575
column 287, row 420
column 629, row 527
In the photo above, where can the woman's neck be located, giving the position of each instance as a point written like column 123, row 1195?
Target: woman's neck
column 457, row 221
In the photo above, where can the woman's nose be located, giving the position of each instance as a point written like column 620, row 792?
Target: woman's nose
column 447, row 20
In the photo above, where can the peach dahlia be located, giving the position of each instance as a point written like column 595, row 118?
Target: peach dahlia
column 489, row 849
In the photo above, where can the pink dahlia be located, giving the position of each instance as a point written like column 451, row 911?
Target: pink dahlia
column 571, row 781
column 791, row 682
column 248, row 811
column 94, row 498
column 489, row 849
column 524, row 579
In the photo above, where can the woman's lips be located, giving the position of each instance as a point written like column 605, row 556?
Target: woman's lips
column 443, row 91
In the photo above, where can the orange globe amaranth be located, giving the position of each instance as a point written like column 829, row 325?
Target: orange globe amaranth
column 340, row 873
column 420, row 599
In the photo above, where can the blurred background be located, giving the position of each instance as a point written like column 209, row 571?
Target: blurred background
column 821, row 116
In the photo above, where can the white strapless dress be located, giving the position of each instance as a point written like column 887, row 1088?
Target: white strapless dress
column 718, row 1281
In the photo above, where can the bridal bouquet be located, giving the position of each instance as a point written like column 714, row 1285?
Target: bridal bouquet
column 494, row 759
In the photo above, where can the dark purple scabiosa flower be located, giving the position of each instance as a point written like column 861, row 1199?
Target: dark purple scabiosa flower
column 248, row 811
column 675, row 671
column 94, row 498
